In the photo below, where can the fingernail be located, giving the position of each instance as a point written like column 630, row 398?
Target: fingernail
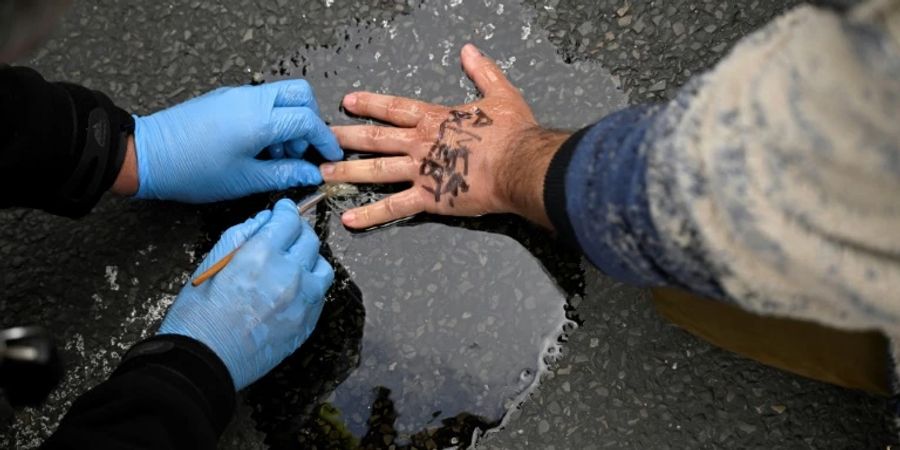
column 349, row 216
column 350, row 100
column 326, row 169
column 471, row 50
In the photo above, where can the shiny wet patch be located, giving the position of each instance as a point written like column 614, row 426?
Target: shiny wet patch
column 437, row 327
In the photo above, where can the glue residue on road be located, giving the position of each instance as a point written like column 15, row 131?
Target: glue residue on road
column 437, row 328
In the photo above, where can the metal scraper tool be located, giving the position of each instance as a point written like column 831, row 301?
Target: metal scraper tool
column 326, row 191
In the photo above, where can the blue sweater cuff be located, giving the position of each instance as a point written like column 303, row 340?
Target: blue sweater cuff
column 606, row 197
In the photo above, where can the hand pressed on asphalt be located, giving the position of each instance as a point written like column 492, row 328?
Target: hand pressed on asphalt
column 455, row 157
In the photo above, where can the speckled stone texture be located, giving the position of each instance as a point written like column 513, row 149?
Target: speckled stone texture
column 626, row 379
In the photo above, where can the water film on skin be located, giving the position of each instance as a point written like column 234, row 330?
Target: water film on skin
column 436, row 327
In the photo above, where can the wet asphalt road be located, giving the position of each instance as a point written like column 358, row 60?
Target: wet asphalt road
column 626, row 380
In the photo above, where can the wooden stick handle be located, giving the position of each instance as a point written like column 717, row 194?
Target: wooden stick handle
column 216, row 268
column 306, row 205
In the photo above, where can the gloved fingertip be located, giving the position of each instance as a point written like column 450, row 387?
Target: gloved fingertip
column 285, row 205
column 336, row 154
column 323, row 271
column 310, row 176
column 332, row 150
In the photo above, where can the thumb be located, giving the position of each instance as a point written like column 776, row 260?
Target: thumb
column 485, row 73
column 281, row 174
column 233, row 238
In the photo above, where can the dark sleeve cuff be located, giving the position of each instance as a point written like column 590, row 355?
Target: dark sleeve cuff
column 100, row 142
column 555, row 189
column 189, row 366
column 61, row 145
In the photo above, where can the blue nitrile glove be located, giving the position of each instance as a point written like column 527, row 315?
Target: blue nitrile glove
column 203, row 150
column 264, row 304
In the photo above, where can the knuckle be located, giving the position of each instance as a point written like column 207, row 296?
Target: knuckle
column 395, row 107
column 375, row 133
column 427, row 127
column 415, row 109
column 366, row 214
column 390, row 205
column 378, row 166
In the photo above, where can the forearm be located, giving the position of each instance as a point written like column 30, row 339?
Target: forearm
column 170, row 392
column 61, row 145
column 770, row 181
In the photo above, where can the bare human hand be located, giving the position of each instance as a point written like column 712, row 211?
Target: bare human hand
column 489, row 156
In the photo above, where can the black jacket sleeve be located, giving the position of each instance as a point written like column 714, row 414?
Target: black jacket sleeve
column 170, row 392
column 61, row 145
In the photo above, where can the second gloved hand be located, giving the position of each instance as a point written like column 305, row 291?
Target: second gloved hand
column 264, row 304
column 204, row 150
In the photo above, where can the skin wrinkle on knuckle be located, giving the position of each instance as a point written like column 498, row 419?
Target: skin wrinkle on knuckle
column 365, row 212
column 375, row 134
column 428, row 126
column 378, row 166
column 390, row 206
column 489, row 72
column 415, row 109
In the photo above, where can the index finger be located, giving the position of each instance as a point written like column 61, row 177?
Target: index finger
column 403, row 112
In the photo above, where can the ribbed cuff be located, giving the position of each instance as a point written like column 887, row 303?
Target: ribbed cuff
column 555, row 190
column 194, row 369
column 101, row 137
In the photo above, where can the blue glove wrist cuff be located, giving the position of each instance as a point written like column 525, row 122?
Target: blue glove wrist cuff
column 142, row 151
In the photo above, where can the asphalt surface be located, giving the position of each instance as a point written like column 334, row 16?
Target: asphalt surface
column 626, row 379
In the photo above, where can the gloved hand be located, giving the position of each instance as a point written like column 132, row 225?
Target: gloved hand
column 265, row 303
column 203, row 150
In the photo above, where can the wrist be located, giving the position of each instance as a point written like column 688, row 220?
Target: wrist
column 127, row 181
column 522, row 173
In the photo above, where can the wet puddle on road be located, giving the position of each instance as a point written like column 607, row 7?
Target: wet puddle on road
column 436, row 327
